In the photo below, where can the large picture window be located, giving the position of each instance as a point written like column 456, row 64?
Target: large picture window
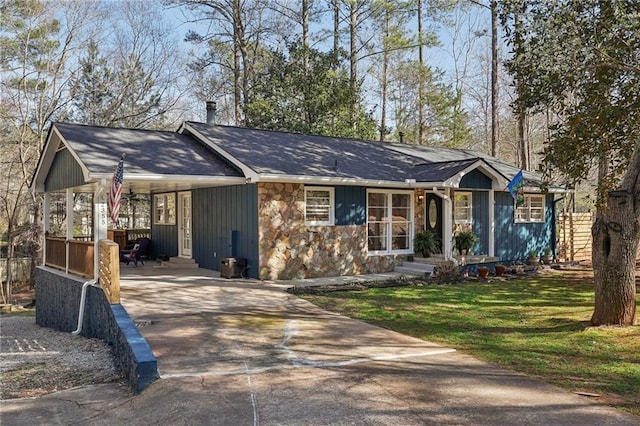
column 389, row 222
column 462, row 207
column 164, row 209
column 318, row 206
column 531, row 210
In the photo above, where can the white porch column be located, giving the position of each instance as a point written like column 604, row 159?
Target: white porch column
column 492, row 223
column 447, row 223
column 99, row 223
column 46, row 224
column 69, row 237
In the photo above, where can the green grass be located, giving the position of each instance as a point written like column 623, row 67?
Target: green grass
column 537, row 326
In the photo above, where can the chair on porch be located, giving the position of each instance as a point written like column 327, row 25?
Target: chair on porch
column 138, row 252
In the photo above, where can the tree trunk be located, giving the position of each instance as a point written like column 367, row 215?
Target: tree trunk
column 494, row 77
column 615, row 243
column 336, row 31
column 421, row 81
column 237, row 57
column 383, row 83
column 353, row 59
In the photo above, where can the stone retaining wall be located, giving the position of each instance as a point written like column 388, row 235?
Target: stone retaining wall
column 290, row 250
column 58, row 302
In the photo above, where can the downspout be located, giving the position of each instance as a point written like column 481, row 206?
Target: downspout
column 82, row 302
column 83, row 296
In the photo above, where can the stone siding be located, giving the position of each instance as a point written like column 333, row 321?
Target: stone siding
column 289, row 249
column 58, row 302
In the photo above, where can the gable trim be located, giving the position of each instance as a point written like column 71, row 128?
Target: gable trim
column 498, row 181
column 248, row 172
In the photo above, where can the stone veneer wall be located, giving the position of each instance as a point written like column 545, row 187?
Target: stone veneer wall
column 288, row 249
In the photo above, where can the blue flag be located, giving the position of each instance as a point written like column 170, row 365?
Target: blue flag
column 515, row 188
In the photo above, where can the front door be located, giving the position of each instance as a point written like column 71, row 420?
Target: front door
column 184, row 222
column 433, row 216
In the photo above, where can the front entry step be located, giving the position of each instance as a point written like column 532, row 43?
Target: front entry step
column 415, row 269
column 180, row 262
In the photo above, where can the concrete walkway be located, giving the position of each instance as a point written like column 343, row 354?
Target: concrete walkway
column 243, row 352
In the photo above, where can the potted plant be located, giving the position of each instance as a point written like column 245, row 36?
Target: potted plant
column 500, row 270
column 426, row 243
column 483, row 272
column 533, row 258
column 464, row 241
column 546, row 256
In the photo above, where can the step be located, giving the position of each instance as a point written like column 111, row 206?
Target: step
column 415, row 269
column 180, row 262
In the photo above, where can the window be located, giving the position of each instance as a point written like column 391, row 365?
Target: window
column 532, row 209
column 164, row 208
column 462, row 207
column 318, row 206
column 389, row 222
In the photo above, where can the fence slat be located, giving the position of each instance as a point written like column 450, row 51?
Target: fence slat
column 110, row 270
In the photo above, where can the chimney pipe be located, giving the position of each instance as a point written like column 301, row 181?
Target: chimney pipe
column 211, row 112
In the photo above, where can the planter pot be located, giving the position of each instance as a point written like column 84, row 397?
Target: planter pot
column 533, row 261
column 500, row 270
column 547, row 259
column 483, row 272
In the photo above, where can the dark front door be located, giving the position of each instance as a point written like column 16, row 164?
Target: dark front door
column 433, row 216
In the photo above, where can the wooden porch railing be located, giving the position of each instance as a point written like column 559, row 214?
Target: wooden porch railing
column 80, row 262
column 79, row 255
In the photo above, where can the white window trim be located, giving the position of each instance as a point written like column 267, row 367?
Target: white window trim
column 469, row 220
column 389, row 250
column 332, row 206
column 527, row 205
column 165, row 195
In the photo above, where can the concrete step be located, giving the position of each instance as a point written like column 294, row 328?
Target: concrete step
column 180, row 262
column 415, row 269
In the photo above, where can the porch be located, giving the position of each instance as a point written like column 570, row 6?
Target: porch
column 76, row 255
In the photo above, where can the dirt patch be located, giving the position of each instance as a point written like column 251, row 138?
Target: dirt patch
column 36, row 360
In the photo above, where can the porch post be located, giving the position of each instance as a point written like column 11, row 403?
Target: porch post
column 492, row 223
column 69, row 237
column 99, row 223
column 46, row 224
column 448, row 227
column 447, row 222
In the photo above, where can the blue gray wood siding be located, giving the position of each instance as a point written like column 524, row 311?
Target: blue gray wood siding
column 350, row 205
column 515, row 241
column 164, row 238
column 224, row 216
column 480, row 215
column 475, row 179
column 65, row 172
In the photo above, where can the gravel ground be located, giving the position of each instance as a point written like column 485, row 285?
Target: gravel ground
column 36, row 360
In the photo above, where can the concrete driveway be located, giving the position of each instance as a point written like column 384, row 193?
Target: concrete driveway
column 233, row 352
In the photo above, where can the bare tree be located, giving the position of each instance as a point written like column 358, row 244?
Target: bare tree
column 38, row 39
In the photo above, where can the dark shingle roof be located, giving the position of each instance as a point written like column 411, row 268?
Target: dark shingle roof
column 293, row 154
column 147, row 152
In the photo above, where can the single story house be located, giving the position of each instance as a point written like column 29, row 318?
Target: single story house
column 297, row 205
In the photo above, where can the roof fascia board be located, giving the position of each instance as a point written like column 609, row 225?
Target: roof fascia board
column 498, row 182
column 246, row 170
column 318, row 180
column 174, row 178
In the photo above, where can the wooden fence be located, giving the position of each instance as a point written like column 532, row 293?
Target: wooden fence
column 574, row 236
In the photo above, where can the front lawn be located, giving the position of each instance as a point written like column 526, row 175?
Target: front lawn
column 536, row 325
